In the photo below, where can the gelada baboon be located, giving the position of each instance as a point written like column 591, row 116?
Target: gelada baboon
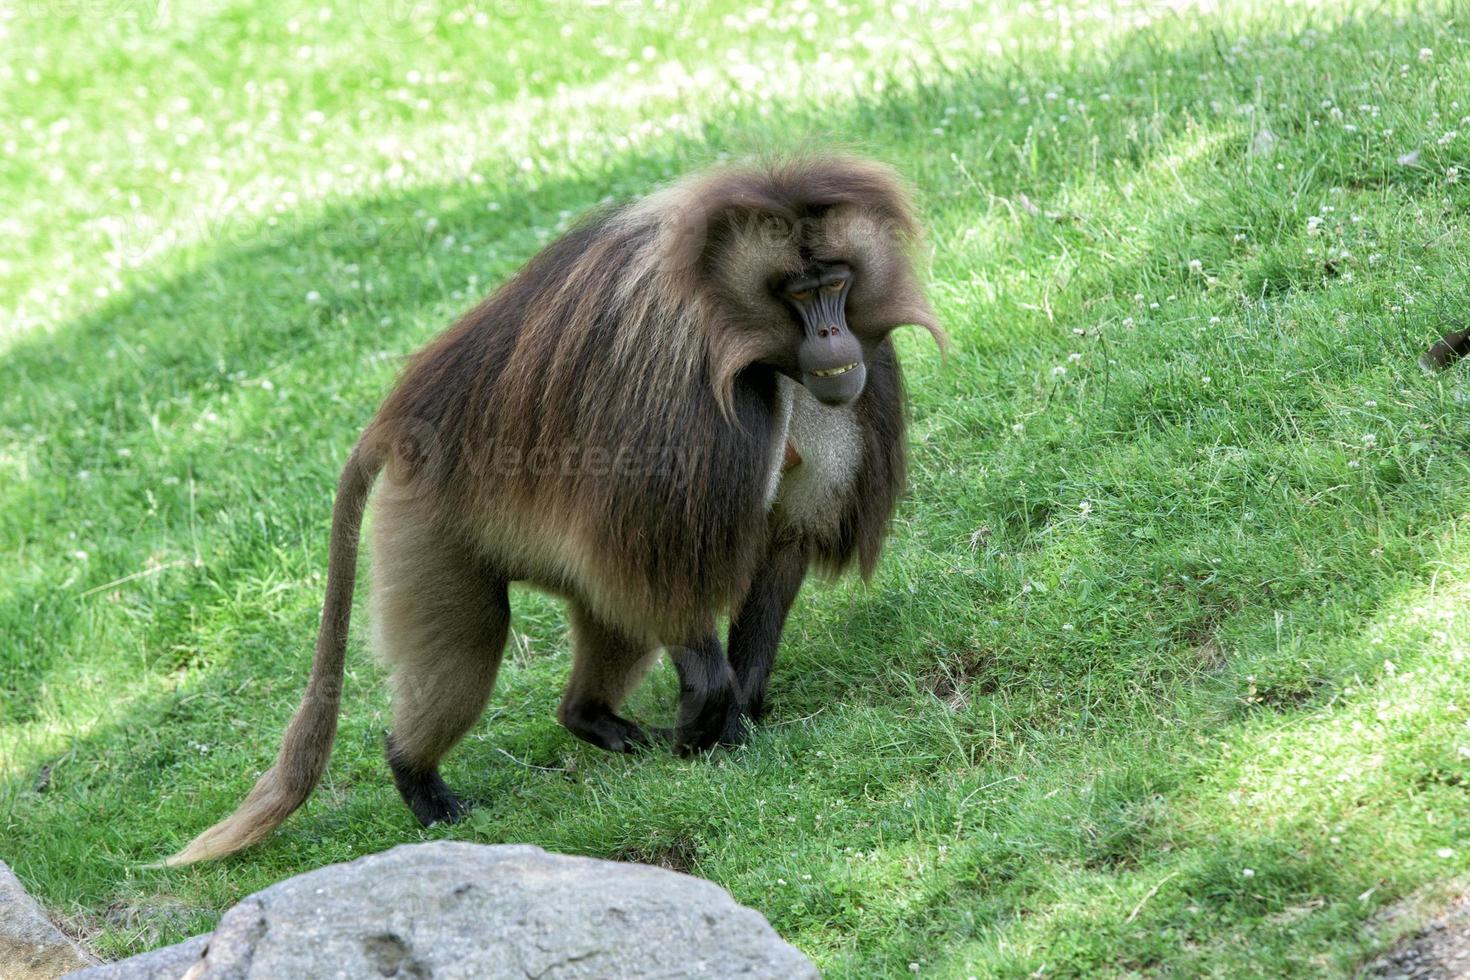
column 665, row 417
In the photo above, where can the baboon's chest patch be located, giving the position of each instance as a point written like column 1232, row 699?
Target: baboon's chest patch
column 813, row 466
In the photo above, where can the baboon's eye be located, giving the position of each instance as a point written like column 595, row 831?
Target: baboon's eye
column 801, row 295
column 835, row 285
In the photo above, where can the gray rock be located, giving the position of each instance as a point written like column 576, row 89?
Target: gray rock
column 1439, row 950
column 447, row 910
column 168, row 963
column 31, row 948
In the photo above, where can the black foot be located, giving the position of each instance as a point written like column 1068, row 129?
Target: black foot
column 737, row 730
column 425, row 792
column 755, row 706
column 596, row 723
column 718, row 722
column 709, row 700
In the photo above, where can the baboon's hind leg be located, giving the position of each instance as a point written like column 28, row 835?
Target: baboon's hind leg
column 606, row 668
column 442, row 618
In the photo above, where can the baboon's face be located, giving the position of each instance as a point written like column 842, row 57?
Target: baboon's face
column 828, row 356
column 811, row 294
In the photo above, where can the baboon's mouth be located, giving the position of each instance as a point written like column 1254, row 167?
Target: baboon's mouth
column 834, row 371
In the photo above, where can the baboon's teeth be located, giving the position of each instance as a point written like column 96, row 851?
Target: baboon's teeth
column 837, row 370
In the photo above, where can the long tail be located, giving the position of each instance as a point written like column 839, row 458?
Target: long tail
column 308, row 741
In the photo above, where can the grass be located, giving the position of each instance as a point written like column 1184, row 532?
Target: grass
column 1164, row 671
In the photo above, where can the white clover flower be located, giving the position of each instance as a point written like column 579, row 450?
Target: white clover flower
column 1018, row 427
column 313, row 297
column 1074, row 357
column 1426, row 54
column 1369, row 440
column 1247, row 872
column 1195, row 265
column 1059, row 372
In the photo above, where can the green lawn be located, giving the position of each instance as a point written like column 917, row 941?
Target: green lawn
column 1165, row 669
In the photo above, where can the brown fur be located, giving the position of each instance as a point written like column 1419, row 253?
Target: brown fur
column 604, row 427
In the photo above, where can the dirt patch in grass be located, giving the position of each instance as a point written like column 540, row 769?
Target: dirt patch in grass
column 680, row 854
column 1209, row 654
column 961, row 676
column 150, row 920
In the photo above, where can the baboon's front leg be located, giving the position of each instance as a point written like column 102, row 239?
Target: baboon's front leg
column 709, row 701
column 755, row 632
